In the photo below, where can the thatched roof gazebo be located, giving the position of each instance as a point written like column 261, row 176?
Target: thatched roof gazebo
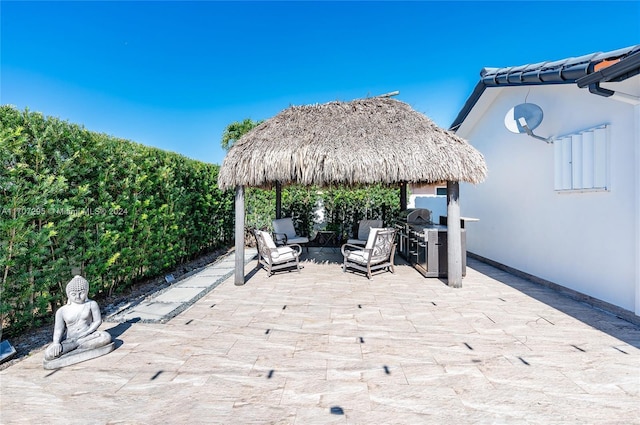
column 365, row 141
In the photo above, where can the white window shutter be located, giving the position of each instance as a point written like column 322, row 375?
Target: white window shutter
column 581, row 160
column 587, row 159
column 566, row 163
column 600, row 157
column 576, row 161
column 557, row 164
column 562, row 151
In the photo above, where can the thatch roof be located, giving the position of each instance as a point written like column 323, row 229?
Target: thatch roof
column 365, row 141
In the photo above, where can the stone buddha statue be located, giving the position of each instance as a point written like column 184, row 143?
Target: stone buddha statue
column 75, row 333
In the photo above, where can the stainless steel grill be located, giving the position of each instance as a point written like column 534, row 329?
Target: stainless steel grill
column 424, row 244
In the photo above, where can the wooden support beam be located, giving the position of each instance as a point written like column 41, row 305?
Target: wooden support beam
column 278, row 200
column 239, row 234
column 403, row 196
column 454, row 236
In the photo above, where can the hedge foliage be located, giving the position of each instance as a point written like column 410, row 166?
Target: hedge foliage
column 74, row 201
column 338, row 208
column 78, row 202
column 345, row 207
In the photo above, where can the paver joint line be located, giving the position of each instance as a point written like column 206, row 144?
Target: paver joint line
column 350, row 351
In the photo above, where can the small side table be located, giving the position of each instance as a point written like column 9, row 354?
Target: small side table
column 326, row 238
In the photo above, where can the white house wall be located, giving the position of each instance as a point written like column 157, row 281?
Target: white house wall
column 586, row 241
column 637, row 180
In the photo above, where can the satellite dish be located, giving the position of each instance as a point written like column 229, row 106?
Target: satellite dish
column 531, row 113
column 523, row 119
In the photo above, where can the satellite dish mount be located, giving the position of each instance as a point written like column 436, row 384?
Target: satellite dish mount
column 523, row 119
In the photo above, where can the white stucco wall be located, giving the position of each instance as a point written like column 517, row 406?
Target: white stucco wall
column 590, row 241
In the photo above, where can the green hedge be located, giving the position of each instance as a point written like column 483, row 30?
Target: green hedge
column 299, row 203
column 343, row 207
column 75, row 201
column 78, row 202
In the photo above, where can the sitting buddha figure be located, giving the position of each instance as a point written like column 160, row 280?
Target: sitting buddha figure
column 76, row 323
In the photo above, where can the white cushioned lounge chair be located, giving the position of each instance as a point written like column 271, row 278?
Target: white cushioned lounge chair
column 275, row 258
column 377, row 254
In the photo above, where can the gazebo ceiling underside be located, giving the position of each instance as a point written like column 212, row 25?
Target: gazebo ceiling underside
column 366, row 141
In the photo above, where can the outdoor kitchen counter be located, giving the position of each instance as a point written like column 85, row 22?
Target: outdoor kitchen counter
column 463, row 220
column 424, row 246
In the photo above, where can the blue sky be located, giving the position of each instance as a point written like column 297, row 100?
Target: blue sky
column 174, row 74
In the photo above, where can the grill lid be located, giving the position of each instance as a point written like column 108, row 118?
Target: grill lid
column 416, row 216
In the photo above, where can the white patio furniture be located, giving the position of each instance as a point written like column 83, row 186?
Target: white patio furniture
column 285, row 234
column 275, row 258
column 364, row 227
column 376, row 255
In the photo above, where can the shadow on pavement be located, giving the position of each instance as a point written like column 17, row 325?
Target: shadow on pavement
column 605, row 321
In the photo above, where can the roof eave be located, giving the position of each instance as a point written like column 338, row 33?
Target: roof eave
column 620, row 71
column 577, row 71
column 468, row 106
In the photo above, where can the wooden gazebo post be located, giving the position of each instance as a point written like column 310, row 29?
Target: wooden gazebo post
column 278, row 200
column 403, row 196
column 239, row 230
column 454, row 236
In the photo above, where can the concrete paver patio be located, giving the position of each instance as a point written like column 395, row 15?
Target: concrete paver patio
column 326, row 347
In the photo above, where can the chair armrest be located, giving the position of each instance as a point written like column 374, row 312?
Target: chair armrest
column 348, row 245
column 296, row 247
column 280, row 238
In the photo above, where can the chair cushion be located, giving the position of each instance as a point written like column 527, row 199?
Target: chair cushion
column 362, row 242
column 299, row 240
column 365, row 226
column 372, row 237
column 283, row 254
column 284, row 225
column 360, row 257
column 266, row 237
